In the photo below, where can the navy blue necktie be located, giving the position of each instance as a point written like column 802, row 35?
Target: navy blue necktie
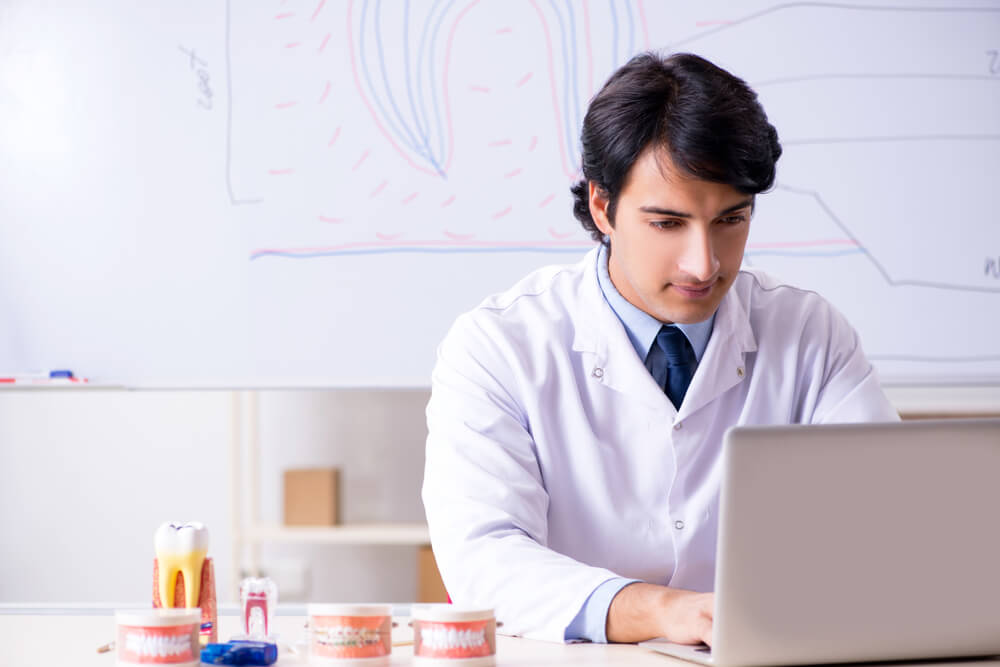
column 671, row 361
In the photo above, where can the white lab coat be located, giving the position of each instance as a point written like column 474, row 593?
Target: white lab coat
column 555, row 462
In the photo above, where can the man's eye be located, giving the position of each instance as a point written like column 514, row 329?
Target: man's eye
column 733, row 219
column 665, row 224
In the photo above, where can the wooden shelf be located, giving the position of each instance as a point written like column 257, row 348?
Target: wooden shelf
column 413, row 534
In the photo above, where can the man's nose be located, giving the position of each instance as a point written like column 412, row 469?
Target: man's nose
column 698, row 258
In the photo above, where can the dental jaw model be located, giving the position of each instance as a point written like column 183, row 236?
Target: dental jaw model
column 183, row 577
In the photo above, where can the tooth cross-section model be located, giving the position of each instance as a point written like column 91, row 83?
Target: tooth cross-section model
column 180, row 548
column 183, row 575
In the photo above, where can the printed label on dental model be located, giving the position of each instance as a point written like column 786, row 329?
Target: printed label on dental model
column 453, row 640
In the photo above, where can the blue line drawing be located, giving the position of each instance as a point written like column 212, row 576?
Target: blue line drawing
column 416, row 76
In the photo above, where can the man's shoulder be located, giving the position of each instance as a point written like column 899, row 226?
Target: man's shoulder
column 551, row 287
column 543, row 304
column 758, row 290
column 776, row 309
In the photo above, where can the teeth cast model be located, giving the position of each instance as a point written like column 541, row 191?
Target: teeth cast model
column 180, row 548
column 442, row 638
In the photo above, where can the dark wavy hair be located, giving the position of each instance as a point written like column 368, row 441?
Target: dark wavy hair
column 708, row 121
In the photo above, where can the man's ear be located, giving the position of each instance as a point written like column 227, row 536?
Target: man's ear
column 599, row 207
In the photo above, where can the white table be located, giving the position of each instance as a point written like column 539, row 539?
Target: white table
column 47, row 637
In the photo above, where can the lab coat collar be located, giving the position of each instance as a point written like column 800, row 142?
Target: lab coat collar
column 600, row 335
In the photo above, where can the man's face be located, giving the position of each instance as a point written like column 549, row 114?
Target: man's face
column 677, row 243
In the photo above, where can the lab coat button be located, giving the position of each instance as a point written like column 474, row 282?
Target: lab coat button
column 679, row 525
column 739, row 371
column 598, row 373
column 677, row 426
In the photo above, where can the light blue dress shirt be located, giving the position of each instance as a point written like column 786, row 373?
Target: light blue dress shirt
column 591, row 622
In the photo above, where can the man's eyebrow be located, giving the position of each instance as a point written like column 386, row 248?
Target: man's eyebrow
column 736, row 207
column 677, row 214
column 663, row 211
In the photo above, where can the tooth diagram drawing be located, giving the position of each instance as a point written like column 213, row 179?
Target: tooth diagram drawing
column 400, row 62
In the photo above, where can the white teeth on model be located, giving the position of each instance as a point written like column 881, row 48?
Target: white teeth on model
column 160, row 646
column 446, row 638
column 180, row 548
column 344, row 635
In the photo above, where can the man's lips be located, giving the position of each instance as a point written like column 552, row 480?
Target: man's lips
column 694, row 291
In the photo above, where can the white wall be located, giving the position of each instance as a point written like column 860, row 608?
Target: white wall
column 87, row 476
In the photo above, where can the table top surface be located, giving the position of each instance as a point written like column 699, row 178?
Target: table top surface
column 32, row 639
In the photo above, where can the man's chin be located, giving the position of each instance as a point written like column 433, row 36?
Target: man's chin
column 687, row 313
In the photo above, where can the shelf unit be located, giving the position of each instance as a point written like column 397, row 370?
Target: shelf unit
column 250, row 532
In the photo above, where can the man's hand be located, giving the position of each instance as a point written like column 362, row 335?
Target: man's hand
column 645, row 611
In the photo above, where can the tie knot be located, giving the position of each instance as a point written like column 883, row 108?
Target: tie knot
column 675, row 346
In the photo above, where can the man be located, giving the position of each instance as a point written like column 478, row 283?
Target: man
column 575, row 422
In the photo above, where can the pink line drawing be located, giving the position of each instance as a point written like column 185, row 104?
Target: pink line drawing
column 458, row 237
column 292, row 45
column 447, row 66
column 500, row 142
column 505, row 31
column 408, row 198
column 325, row 40
column 804, row 244
column 548, row 243
column 703, row 24
column 567, row 169
column 336, row 135
column 324, row 218
column 479, row 89
column 326, row 91
column 448, row 202
column 557, row 235
column 280, row 172
column 532, row 144
column 512, row 174
column 286, row 15
column 590, row 49
column 500, row 214
column 524, row 79
column 645, row 24
column 285, row 105
column 548, row 200
column 364, row 156
column 319, row 8
column 380, row 188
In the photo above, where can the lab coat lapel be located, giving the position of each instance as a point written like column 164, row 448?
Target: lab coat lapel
column 723, row 366
column 611, row 359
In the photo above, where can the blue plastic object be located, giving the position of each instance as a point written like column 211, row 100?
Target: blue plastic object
column 240, row 653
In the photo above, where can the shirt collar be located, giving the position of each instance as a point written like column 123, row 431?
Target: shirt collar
column 640, row 325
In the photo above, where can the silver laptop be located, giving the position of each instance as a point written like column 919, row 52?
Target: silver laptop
column 856, row 542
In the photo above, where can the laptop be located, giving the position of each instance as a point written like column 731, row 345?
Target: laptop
column 856, row 542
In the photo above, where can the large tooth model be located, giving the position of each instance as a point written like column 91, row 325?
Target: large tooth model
column 180, row 548
column 183, row 575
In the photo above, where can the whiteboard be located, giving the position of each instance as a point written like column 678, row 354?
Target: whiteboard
column 308, row 192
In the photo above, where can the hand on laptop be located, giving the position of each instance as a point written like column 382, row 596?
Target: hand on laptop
column 645, row 611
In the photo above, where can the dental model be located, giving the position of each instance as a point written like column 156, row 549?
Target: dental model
column 180, row 549
column 451, row 635
column 183, row 575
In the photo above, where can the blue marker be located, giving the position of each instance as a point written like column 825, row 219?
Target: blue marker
column 61, row 374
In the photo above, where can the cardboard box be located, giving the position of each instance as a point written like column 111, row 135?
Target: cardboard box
column 312, row 497
column 430, row 588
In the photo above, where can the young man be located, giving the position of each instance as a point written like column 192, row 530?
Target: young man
column 575, row 423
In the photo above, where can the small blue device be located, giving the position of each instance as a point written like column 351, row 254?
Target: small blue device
column 239, row 652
